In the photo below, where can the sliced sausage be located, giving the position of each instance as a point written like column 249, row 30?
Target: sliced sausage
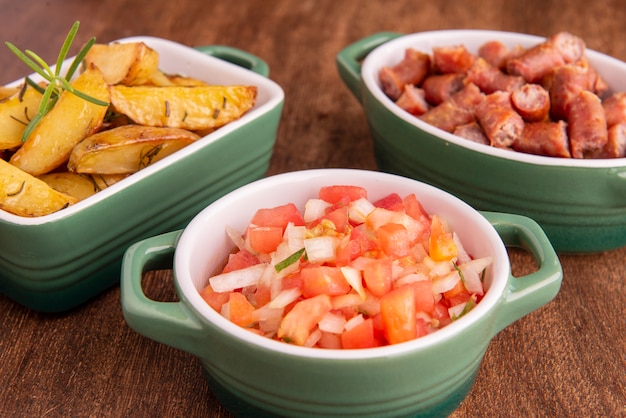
column 532, row 102
column 452, row 59
column 544, row 138
column 501, row 123
column 489, row 78
column 588, row 132
column 440, row 87
column 457, row 110
column 413, row 100
column 413, row 68
column 536, row 62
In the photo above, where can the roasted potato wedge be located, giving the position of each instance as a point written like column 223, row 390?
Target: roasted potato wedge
column 25, row 195
column 78, row 185
column 6, row 92
column 130, row 63
column 106, row 180
column 161, row 79
column 15, row 113
column 69, row 121
column 127, row 149
column 193, row 108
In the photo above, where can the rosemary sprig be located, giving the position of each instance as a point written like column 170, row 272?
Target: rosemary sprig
column 56, row 82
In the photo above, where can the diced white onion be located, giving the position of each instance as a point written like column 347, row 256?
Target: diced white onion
column 235, row 237
column 445, row 283
column 294, row 236
column 227, row 282
column 353, row 277
column 354, row 321
column 471, row 274
column 333, row 323
column 462, row 255
column 456, row 310
column 359, row 209
column 314, row 209
column 285, row 297
column 266, row 313
column 313, row 338
column 320, row 249
column 371, row 305
column 410, row 278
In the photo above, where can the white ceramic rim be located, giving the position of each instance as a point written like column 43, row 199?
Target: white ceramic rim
column 390, row 53
column 184, row 60
column 499, row 271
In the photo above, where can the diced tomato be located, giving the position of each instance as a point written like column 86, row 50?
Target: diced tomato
column 262, row 295
column 377, row 276
column 278, row 216
column 424, row 298
column 299, row 321
column 240, row 309
column 323, row 280
column 415, row 210
column 393, row 239
column 421, row 327
column 292, row 280
column 398, row 313
column 339, row 217
column 265, row 239
column 442, row 245
column 441, row 314
column 333, row 194
column 213, row 298
column 360, row 336
column 458, row 294
column 240, row 260
column 392, row 201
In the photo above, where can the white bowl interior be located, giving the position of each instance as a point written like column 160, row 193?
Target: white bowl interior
column 204, row 245
column 392, row 52
column 177, row 59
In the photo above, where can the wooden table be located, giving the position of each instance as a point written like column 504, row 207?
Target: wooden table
column 565, row 359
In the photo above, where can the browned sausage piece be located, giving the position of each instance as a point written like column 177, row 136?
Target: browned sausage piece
column 566, row 83
column 452, row 59
column 532, row 102
column 413, row 100
column 473, row 132
column 501, row 123
column 489, row 78
column 544, row 138
column 616, row 144
column 440, row 87
column 457, row 110
column 588, row 132
column 615, row 108
column 535, row 62
column 571, row 47
column 413, row 68
column 495, row 53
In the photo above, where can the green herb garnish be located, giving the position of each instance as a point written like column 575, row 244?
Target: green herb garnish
column 56, row 82
column 289, row 260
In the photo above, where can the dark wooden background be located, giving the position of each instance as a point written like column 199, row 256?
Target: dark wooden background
column 565, row 359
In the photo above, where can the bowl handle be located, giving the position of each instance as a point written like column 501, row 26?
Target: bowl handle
column 526, row 293
column 237, row 56
column 170, row 323
column 349, row 59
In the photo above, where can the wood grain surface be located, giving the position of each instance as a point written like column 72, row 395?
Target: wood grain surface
column 567, row 359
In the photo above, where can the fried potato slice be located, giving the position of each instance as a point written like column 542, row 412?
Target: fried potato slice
column 127, row 149
column 131, row 63
column 193, row 108
column 25, row 195
column 69, row 121
column 78, row 185
column 15, row 113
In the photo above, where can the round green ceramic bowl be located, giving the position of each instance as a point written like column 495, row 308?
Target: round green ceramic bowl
column 56, row 262
column 256, row 376
column 581, row 204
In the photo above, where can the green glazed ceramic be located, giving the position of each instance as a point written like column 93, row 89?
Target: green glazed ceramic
column 581, row 204
column 56, row 262
column 257, row 376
